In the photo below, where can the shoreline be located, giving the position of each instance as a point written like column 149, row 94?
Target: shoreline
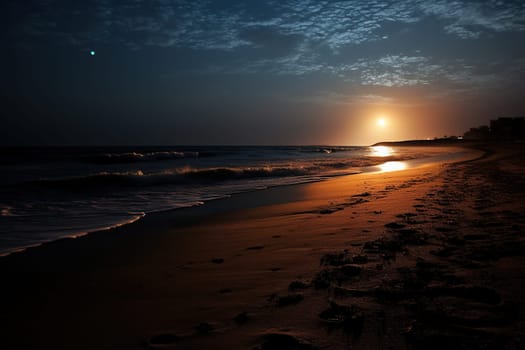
column 374, row 248
column 410, row 163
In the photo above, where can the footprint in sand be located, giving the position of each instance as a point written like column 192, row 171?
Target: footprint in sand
column 395, row 225
column 328, row 211
column 364, row 194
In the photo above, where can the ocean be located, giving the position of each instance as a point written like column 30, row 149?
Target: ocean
column 54, row 192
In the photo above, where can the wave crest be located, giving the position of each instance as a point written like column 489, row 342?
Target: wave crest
column 183, row 176
column 132, row 157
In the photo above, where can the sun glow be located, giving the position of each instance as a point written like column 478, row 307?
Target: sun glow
column 381, row 122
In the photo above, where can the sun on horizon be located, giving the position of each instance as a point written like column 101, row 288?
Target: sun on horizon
column 381, row 122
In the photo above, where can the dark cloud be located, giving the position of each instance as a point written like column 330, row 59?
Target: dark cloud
column 219, row 24
column 302, row 36
column 164, row 54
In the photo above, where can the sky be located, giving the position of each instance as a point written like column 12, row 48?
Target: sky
column 277, row 72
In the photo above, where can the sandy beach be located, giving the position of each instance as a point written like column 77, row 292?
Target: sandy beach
column 431, row 257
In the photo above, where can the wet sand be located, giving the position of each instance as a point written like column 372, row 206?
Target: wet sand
column 426, row 258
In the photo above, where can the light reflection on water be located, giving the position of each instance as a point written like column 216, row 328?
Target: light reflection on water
column 392, row 166
column 381, row 151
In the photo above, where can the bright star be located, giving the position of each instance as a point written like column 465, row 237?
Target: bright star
column 92, row 53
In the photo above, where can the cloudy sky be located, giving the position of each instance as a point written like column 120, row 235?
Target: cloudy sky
column 256, row 72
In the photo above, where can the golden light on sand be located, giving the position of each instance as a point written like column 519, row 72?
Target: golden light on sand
column 392, row 166
column 381, row 151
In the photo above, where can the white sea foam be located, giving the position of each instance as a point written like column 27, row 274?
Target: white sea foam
column 6, row 211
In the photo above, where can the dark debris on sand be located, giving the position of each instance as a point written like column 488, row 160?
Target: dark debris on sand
column 427, row 283
column 289, row 299
column 327, row 277
column 350, row 317
column 295, row 285
column 342, row 258
column 443, row 288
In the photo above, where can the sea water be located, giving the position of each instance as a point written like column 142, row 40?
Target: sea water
column 55, row 192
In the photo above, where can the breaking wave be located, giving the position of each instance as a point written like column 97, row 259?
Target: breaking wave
column 183, row 176
column 132, row 157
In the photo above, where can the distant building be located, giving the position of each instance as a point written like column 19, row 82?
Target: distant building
column 508, row 129
column 481, row 133
column 502, row 129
